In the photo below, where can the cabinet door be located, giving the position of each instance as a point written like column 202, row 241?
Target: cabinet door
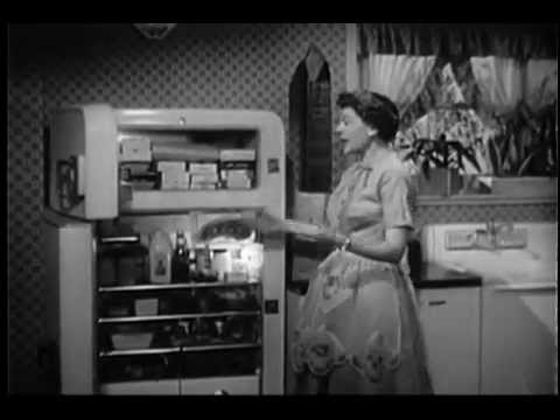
column 451, row 323
column 519, row 351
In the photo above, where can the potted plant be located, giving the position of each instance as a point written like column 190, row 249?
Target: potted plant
column 439, row 162
column 523, row 155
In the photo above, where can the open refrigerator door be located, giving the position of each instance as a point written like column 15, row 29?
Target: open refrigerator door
column 182, row 296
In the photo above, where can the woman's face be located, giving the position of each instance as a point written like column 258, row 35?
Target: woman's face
column 352, row 131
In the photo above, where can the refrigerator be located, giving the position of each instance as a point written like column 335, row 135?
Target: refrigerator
column 158, row 280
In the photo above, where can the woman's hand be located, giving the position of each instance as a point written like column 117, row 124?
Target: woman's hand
column 308, row 232
column 269, row 224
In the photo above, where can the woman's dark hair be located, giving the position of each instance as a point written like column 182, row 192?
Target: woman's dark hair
column 374, row 109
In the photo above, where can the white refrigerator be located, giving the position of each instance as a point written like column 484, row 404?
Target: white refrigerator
column 122, row 317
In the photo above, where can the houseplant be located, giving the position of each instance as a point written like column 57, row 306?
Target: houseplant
column 439, row 162
column 523, row 155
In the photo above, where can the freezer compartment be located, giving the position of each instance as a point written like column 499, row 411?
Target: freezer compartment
column 186, row 160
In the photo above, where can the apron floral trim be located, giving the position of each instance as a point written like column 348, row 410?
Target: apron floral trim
column 319, row 351
column 376, row 359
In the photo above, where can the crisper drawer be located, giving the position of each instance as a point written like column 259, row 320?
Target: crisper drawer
column 235, row 385
column 165, row 387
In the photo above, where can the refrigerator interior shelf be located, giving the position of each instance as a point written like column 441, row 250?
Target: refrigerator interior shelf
column 143, row 352
column 110, row 240
column 175, row 317
column 159, row 201
column 175, row 286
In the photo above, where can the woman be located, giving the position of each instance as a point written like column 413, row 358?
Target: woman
column 359, row 330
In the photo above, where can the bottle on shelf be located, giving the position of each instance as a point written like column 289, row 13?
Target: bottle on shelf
column 180, row 262
column 204, row 265
column 160, row 258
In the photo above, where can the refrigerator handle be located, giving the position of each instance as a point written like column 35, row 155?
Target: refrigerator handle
column 81, row 175
column 70, row 182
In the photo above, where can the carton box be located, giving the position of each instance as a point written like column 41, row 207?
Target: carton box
column 172, row 180
column 135, row 149
column 168, row 166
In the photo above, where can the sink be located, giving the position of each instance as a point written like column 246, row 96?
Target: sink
column 510, row 265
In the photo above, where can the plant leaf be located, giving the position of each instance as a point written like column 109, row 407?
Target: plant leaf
column 504, row 139
column 513, row 154
column 426, row 168
column 439, row 162
column 409, row 156
column 494, row 155
column 470, row 156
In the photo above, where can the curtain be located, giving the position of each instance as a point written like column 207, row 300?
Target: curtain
column 468, row 81
column 541, row 84
column 500, row 81
column 454, row 41
column 506, row 83
column 399, row 77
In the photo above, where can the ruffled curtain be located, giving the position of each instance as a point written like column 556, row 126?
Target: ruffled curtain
column 497, row 66
column 506, row 83
column 459, row 41
column 495, row 70
column 399, row 77
column 541, row 84
column 500, row 81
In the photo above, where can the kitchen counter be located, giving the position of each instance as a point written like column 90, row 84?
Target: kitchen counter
column 434, row 276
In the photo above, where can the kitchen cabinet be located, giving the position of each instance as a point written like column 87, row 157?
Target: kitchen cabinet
column 520, row 346
column 450, row 319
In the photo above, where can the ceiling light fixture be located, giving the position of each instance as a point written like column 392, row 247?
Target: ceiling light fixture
column 155, row 30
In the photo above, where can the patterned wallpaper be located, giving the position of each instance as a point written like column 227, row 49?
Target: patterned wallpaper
column 527, row 212
column 197, row 65
column 25, row 268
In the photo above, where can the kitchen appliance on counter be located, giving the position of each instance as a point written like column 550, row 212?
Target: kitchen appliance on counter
column 158, row 282
column 518, row 266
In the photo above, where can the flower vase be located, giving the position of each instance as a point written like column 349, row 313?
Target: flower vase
column 443, row 182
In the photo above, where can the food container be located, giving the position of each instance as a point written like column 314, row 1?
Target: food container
column 146, row 307
column 132, row 341
column 118, row 311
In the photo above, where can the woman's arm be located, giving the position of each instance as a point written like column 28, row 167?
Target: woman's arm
column 390, row 250
column 310, row 207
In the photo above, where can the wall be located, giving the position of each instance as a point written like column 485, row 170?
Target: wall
column 198, row 65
